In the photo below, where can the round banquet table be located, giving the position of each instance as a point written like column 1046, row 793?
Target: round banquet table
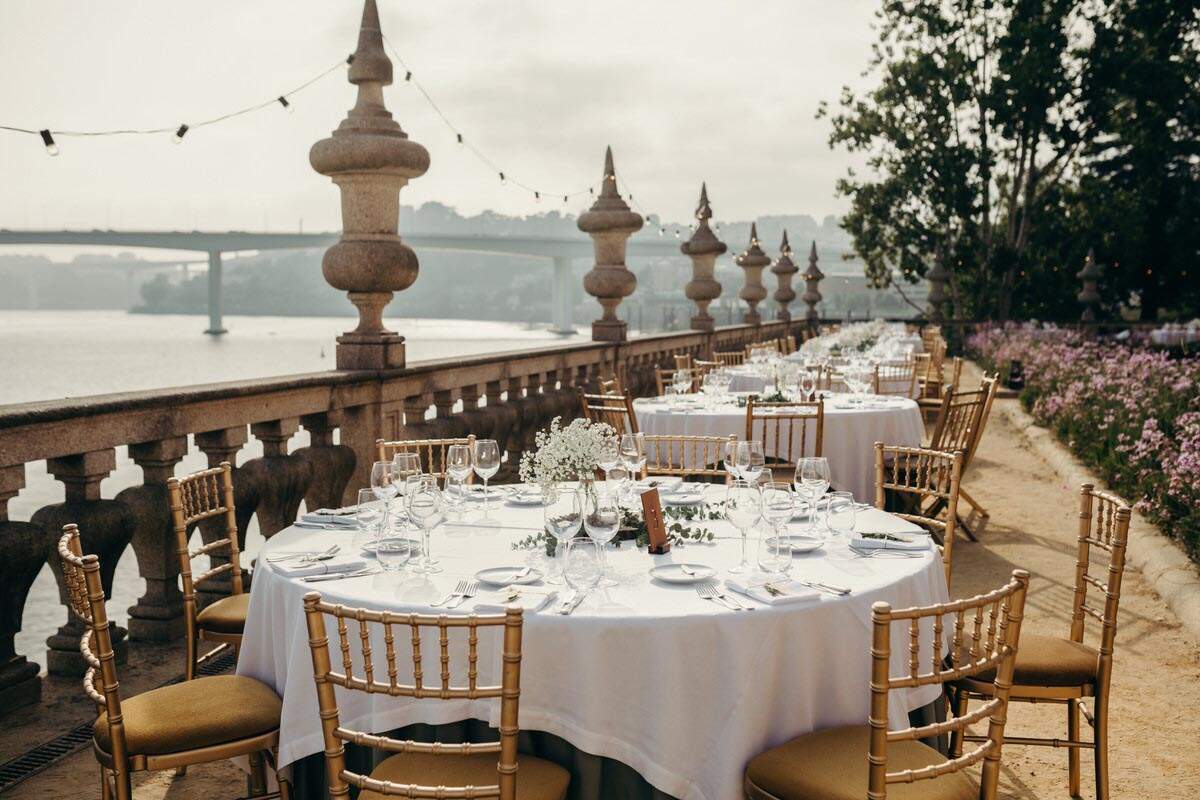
column 748, row 380
column 849, row 439
column 680, row 690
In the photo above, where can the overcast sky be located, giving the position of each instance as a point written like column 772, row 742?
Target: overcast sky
column 683, row 91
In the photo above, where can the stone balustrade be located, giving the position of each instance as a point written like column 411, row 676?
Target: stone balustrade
column 507, row 397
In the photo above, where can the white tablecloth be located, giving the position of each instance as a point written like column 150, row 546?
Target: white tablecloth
column 680, row 689
column 849, row 440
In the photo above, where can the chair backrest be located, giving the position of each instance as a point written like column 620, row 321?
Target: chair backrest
column 664, row 379
column 786, row 429
column 958, row 420
column 207, row 494
column 897, row 379
column 686, row 456
column 85, row 595
column 992, row 623
column 431, row 452
column 956, row 366
column 1103, row 523
column 615, row 410
column 919, row 479
column 730, row 358
column 683, row 361
column 609, row 385
column 386, row 681
column 989, row 384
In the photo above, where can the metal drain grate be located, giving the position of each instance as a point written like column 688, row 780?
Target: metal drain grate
column 33, row 761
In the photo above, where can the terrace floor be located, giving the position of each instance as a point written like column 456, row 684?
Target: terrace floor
column 1156, row 683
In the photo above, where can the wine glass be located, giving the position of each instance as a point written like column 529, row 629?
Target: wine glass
column 367, row 516
column 425, row 507
column 610, row 456
column 682, row 381
column 562, row 516
column 486, row 463
column 633, row 454
column 581, row 567
column 779, row 504
column 750, row 460
column 602, row 520
column 458, row 462
column 404, row 466
column 808, row 385
column 383, row 486
column 812, row 481
column 730, row 454
column 455, row 496
column 840, row 513
column 743, row 507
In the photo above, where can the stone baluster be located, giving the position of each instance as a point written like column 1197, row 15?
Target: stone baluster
column 812, row 292
column 370, row 159
column 937, row 277
column 1089, row 295
column 219, row 446
column 331, row 465
column 158, row 614
column 22, row 553
column 753, row 260
column 361, row 426
column 610, row 223
column 278, row 480
column 703, row 249
column 105, row 528
column 783, row 270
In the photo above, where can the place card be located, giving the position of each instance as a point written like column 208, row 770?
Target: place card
column 655, row 527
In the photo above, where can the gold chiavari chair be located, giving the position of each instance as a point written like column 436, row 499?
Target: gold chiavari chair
column 431, row 452
column 685, row 456
column 783, row 429
column 609, row 385
column 683, row 361
column 960, row 426
column 194, row 722
column 613, row 409
column 732, row 358
column 208, row 494
column 873, row 762
column 896, row 379
column 1065, row 670
column 920, row 483
column 664, row 380
column 933, row 404
column 418, row 769
column 932, row 381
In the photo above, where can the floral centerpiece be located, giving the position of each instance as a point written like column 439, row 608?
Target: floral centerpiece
column 565, row 453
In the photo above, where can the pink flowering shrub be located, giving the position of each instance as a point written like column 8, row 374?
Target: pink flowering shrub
column 1129, row 411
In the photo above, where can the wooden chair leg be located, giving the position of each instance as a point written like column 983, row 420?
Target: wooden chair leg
column 106, row 791
column 1100, row 738
column 961, row 701
column 258, row 776
column 962, row 495
column 189, row 669
column 1073, row 752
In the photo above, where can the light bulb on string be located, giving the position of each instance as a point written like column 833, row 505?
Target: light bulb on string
column 662, row 231
column 408, row 75
column 503, row 180
column 537, row 197
column 283, row 101
column 349, row 59
column 179, row 134
column 564, row 199
column 459, row 137
column 677, row 236
column 48, row 140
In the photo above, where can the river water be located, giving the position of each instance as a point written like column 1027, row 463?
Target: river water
column 49, row 355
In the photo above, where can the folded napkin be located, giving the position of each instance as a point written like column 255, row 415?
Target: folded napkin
column 529, row 598
column 909, row 540
column 333, row 516
column 296, row 568
column 786, row 591
column 666, row 485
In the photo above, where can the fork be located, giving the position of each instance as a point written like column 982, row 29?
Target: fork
column 469, row 591
column 709, row 592
column 459, row 589
column 877, row 552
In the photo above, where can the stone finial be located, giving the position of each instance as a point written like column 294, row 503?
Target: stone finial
column 610, row 223
column 783, row 269
column 1089, row 295
column 753, row 260
column 937, row 277
column 703, row 249
column 812, row 279
column 370, row 159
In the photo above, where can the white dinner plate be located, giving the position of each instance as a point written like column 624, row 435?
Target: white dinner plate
column 673, row 573
column 505, row 576
column 683, row 499
column 799, row 542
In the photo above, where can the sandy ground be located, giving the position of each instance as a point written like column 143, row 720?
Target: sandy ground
column 1156, row 684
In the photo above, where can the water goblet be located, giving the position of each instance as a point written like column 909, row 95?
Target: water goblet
column 682, row 381
column 812, row 481
column 562, row 516
column 581, row 566
column 458, row 462
column 808, row 385
column 486, row 463
column 404, row 466
column 633, row 454
column 425, row 507
column 730, row 455
column 383, row 485
column 743, row 507
column 610, row 456
column 602, row 520
column 750, row 460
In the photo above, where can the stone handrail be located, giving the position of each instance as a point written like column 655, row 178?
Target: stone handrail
column 507, row 397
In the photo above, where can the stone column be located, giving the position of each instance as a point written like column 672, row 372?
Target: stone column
column 1089, row 295
column 610, row 223
column 937, row 277
column 703, row 249
column 783, row 269
column 22, row 553
column 370, row 159
column 812, row 294
column 753, row 260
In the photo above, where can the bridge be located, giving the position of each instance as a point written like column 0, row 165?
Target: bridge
column 560, row 251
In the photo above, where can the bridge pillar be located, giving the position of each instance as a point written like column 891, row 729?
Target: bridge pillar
column 215, row 326
column 562, row 301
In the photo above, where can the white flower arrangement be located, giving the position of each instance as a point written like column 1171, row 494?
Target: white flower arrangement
column 565, row 453
column 856, row 338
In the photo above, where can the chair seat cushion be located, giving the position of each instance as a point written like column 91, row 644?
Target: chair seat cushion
column 537, row 779
column 193, row 714
column 832, row 765
column 1050, row 661
column 227, row 615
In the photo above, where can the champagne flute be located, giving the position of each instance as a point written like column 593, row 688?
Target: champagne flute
column 812, row 481
column 425, row 507
column 562, row 517
column 486, row 463
column 602, row 520
column 743, row 507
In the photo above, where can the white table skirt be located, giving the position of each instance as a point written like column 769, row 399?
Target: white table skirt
column 848, row 443
column 682, row 690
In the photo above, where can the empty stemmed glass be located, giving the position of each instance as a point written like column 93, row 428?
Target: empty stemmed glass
column 812, row 481
column 681, row 381
column 807, row 384
column 602, row 520
column 404, row 466
column 424, row 501
column 383, row 485
column 610, row 456
column 486, row 464
column 581, row 566
column 743, row 507
column 458, row 469
column 750, row 460
column 633, row 454
column 734, row 459
column 562, row 516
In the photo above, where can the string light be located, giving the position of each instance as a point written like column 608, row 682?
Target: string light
column 283, row 101
column 48, row 140
column 179, row 134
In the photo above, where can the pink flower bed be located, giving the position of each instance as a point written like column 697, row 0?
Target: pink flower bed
column 1131, row 412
